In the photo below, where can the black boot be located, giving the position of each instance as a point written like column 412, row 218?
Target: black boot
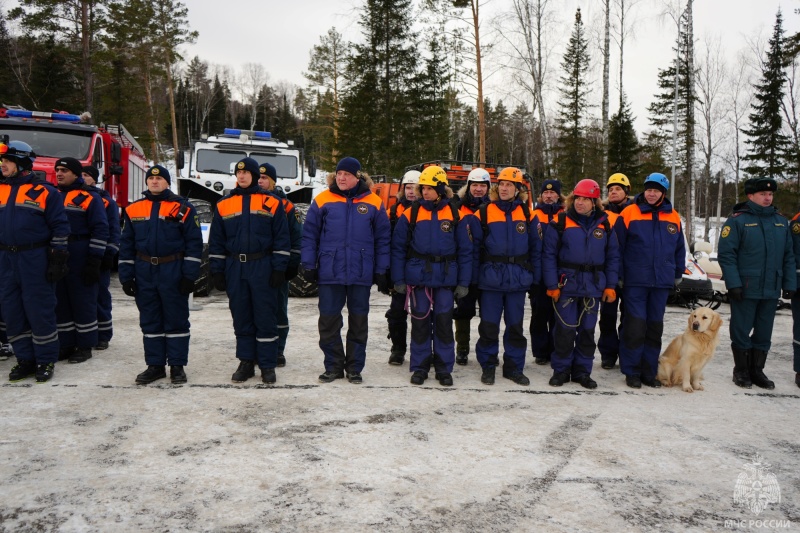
column 741, row 367
column 81, row 355
column 66, row 353
column 153, row 373
column 22, row 370
column 246, row 370
column 177, row 375
column 281, row 360
column 558, row 379
column 757, row 361
column 397, row 356
column 101, row 345
column 487, row 377
column 444, row 379
column 462, row 340
column 44, row 372
column 268, row 375
column 418, row 377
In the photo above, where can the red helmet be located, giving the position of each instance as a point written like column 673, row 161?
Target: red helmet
column 587, row 188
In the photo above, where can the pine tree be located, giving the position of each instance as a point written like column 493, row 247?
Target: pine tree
column 623, row 146
column 573, row 107
column 376, row 113
column 768, row 145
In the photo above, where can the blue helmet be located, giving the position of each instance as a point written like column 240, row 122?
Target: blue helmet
column 20, row 153
column 657, row 179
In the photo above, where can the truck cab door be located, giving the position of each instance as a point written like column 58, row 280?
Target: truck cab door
column 98, row 160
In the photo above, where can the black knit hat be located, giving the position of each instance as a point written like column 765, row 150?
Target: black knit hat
column 71, row 164
column 158, row 170
column 92, row 171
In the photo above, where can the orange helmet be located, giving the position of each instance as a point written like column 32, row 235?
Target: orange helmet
column 511, row 174
column 587, row 188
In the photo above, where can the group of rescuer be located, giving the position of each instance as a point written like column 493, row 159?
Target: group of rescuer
column 438, row 255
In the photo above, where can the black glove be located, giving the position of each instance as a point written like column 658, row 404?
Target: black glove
column 474, row 291
column 310, row 274
column 91, row 270
column 57, row 265
column 277, row 278
column 382, row 281
column 788, row 294
column 219, row 281
column 108, row 262
column 129, row 288
column 291, row 272
column 186, row 286
column 736, row 295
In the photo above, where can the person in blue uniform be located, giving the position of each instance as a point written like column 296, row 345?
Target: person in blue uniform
column 249, row 248
column 432, row 255
column 267, row 181
column 619, row 189
column 543, row 320
column 396, row 315
column 76, row 294
column 160, row 254
column 795, row 229
column 346, row 239
column 33, row 257
column 510, row 264
column 580, row 265
column 653, row 259
column 105, row 326
column 757, row 259
column 472, row 196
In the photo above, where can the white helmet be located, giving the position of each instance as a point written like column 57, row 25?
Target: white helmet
column 479, row 175
column 410, row 177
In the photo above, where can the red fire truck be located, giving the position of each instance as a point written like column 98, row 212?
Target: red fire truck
column 112, row 149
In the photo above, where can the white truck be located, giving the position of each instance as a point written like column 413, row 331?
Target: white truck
column 209, row 175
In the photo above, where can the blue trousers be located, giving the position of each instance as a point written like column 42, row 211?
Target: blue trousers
column 511, row 306
column 282, row 316
column 608, row 343
column 796, row 332
column 573, row 336
column 432, row 330
column 254, row 307
column 29, row 305
column 542, row 323
column 76, row 307
column 756, row 316
column 332, row 299
column 105, row 329
column 640, row 344
column 163, row 313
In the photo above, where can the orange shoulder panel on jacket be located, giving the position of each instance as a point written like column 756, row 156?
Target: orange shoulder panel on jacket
column 327, row 196
column 372, row 199
column 612, row 217
column 140, row 209
column 230, row 206
column 494, row 214
column 673, row 217
column 569, row 223
column 5, row 193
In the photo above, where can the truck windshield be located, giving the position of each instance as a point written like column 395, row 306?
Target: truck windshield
column 285, row 165
column 48, row 143
column 217, row 161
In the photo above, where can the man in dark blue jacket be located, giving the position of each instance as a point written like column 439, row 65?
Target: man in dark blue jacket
column 33, row 257
column 76, row 310
column 510, row 251
column 159, row 261
column 249, row 249
column 105, row 328
column 346, row 248
column 757, row 261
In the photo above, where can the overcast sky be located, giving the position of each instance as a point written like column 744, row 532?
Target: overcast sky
column 279, row 35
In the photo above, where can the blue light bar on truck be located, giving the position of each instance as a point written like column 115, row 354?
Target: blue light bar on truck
column 63, row 117
column 256, row 134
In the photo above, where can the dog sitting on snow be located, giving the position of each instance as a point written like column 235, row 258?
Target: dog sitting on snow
column 684, row 359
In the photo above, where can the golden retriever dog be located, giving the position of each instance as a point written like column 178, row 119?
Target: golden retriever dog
column 684, row 359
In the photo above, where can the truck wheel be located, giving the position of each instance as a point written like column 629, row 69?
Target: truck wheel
column 300, row 287
column 203, row 286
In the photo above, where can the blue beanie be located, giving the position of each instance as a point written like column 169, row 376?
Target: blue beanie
column 551, row 185
column 251, row 165
column 349, row 164
column 158, row 170
column 268, row 170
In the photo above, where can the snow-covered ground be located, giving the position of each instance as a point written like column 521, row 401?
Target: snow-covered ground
column 91, row 451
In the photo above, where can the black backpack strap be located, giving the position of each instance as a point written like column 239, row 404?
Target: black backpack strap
column 454, row 211
column 393, row 214
column 412, row 225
